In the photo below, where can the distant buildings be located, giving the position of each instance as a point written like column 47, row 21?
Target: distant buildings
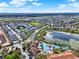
column 66, row 25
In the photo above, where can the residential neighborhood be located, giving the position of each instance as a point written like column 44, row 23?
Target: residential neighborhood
column 46, row 37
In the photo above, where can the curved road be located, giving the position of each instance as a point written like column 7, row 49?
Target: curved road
column 19, row 45
column 31, row 38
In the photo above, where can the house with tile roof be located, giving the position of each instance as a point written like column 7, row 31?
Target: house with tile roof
column 65, row 55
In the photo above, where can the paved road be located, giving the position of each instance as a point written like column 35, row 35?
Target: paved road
column 19, row 45
column 23, row 53
column 16, row 34
column 32, row 37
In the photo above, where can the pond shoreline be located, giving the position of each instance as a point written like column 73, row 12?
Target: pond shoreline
column 61, row 35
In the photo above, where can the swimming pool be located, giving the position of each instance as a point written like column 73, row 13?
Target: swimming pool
column 47, row 47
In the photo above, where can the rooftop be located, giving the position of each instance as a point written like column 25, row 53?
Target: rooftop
column 65, row 55
column 2, row 38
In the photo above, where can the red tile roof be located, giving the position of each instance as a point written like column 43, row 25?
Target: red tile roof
column 65, row 55
column 34, row 50
column 34, row 47
column 2, row 38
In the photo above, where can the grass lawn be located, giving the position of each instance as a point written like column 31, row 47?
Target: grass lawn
column 33, row 23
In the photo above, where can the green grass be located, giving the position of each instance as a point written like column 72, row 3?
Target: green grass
column 33, row 23
column 21, row 27
column 66, row 30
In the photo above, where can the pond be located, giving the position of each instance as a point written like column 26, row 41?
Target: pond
column 61, row 35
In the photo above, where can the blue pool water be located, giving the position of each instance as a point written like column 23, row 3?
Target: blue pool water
column 62, row 36
column 45, row 47
column 56, row 35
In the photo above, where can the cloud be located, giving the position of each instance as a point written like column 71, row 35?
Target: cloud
column 29, row 6
column 70, row 7
column 3, row 6
column 18, row 3
column 36, row 4
column 21, row 3
column 76, row 5
column 61, row 6
column 31, row 0
column 72, row 0
column 19, row 6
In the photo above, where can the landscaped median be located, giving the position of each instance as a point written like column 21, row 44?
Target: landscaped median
column 41, row 33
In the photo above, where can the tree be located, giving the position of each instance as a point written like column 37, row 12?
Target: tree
column 57, row 50
column 40, row 56
column 15, row 55
column 8, row 57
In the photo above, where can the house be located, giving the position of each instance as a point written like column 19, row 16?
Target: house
column 65, row 55
column 34, row 48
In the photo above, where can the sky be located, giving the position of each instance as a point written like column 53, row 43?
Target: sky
column 39, row 6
